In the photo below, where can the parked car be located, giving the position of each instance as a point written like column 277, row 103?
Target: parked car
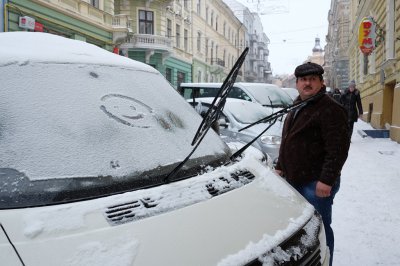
column 88, row 142
column 292, row 92
column 240, row 113
column 268, row 95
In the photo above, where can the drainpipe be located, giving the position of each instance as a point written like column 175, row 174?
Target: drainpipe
column 3, row 15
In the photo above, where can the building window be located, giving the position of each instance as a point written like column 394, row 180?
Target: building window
column 169, row 28
column 199, row 76
column 185, row 4
column 146, row 22
column 212, row 18
column 212, row 51
column 178, row 36
column 198, row 41
column 224, row 28
column 168, row 74
column 216, row 24
column 95, row 3
column 181, row 77
column 206, row 49
column 207, row 14
column 199, row 7
column 365, row 65
column 185, row 40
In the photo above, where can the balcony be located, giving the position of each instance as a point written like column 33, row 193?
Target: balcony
column 121, row 28
column 218, row 61
column 217, row 65
column 252, row 56
column 253, row 37
column 149, row 42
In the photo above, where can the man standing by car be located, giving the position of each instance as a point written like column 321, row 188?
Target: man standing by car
column 351, row 101
column 315, row 145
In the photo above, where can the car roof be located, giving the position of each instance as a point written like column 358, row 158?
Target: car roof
column 45, row 47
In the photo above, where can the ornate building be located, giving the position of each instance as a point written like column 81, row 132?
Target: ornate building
column 338, row 37
column 377, row 73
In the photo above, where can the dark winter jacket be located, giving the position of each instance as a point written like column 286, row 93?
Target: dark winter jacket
column 336, row 95
column 352, row 103
column 315, row 142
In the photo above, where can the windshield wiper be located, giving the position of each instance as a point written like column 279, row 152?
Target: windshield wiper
column 273, row 117
column 283, row 111
column 212, row 114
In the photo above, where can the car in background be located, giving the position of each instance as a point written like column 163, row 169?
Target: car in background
column 238, row 114
column 268, row 95
column 90, row 142
column 292, row 92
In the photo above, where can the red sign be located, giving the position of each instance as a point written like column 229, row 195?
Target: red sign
column 116, row 50
column 367, row 35
column 38, row 27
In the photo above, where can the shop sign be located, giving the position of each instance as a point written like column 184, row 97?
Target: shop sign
column 26, row 22
column 367, row 35
column 38, row 27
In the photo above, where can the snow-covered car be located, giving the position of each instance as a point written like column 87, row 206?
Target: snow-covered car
column 88, row 144
column 292, row 92
column 268, row 95
column 238, row 114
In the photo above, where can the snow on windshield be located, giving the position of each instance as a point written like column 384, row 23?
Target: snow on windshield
column 68, row 108
column 246, row 112
column 268, row 94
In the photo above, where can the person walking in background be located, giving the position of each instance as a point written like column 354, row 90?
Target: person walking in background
column 315, row 145
column 337, row 95
column 351, row 101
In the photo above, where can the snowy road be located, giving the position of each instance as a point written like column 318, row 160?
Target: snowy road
column 366, row 216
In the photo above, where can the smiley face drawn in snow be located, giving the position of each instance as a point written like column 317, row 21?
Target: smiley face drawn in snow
column 127, row 110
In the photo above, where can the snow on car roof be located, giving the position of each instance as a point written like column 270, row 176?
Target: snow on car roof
column 44, row 47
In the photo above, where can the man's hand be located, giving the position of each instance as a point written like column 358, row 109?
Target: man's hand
column 279, row 172
column 322, row 190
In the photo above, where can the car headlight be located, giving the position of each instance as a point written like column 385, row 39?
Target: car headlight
column 270, row 139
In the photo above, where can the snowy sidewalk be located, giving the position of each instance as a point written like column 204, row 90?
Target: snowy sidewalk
column 366, row 216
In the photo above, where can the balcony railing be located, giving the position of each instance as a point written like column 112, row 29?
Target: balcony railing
column 218, row 61
column 148, row 41
column 122, row 21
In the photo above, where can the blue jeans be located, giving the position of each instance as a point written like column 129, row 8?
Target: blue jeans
column 323, row 206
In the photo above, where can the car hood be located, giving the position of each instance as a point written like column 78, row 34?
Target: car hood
column 241, row 224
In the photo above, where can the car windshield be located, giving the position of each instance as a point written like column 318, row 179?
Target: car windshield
column 76, row 131
column 269, row 95
column 246, row 112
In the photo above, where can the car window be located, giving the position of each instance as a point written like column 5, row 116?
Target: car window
column 267, row 95
column 238, row 93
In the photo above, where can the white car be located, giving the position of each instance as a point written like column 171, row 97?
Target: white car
column 268, row 95
column 238, row 114
column 88, row 142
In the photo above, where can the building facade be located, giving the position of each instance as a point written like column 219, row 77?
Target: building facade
column 89, row 21
column 217, row 35
column 377, row 74
column 337, row 43
column 257, row 67
column 159, row 36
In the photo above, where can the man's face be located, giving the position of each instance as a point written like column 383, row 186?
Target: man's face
column 308, row 86
column 351, row 88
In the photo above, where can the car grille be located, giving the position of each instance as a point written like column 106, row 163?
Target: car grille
column 301, row 249
column 180, row 197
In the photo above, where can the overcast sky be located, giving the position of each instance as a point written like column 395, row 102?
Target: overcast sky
column 292, row 26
